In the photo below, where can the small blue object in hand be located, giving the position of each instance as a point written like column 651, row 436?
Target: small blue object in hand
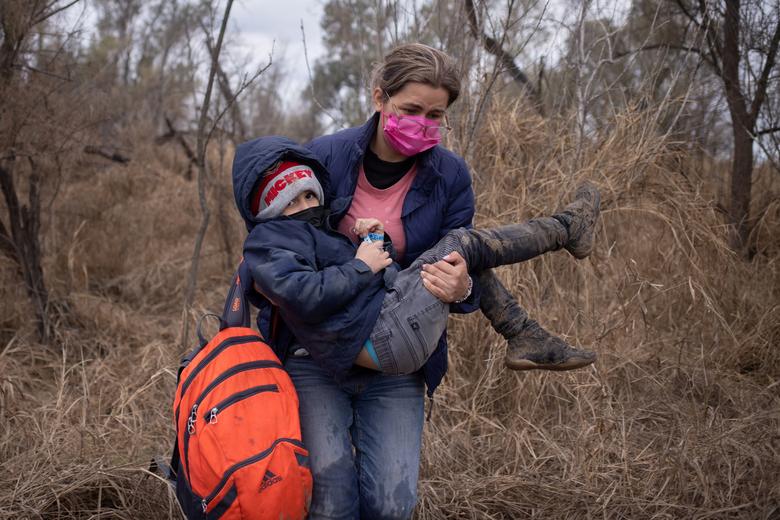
column 374, row 237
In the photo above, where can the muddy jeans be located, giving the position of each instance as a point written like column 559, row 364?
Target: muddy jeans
column 363, row 440
column 412, row 320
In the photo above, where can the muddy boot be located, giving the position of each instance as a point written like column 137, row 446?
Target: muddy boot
column 580, row 218
column 529, row 345
column 535, row 348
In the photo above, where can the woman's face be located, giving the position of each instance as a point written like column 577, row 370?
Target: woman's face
column 414, row 99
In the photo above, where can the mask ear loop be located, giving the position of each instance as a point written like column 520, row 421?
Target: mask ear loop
column 447, row 126
column 387, row 100
column 445, row 129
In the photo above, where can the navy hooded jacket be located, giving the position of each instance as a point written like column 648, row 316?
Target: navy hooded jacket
column 325, row 296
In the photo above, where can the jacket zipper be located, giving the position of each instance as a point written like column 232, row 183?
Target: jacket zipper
column 211, row 415
column 191, row 429
column 246, row 462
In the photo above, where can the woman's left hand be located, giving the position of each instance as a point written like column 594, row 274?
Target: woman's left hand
column 447, row 279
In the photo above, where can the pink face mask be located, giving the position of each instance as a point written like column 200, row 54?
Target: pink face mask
column 410, row 135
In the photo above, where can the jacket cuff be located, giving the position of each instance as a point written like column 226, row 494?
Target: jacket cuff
column 360, row 266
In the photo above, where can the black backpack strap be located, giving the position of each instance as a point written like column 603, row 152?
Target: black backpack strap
column 236, row 312
column 167, row 470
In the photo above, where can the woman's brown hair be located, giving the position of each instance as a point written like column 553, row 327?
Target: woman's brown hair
column 415, row 62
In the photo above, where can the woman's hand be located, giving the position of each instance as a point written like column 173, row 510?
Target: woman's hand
column 373, row 255
column 447, row 279
column 364, row 226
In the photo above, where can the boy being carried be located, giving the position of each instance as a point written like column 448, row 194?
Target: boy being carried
column 349, row 304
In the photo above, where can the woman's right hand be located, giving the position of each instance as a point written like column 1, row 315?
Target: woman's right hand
column 373, row 255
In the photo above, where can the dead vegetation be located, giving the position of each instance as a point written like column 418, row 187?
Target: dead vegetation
column 679, row 418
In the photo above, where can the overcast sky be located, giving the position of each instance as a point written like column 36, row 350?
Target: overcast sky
column 262, row 25
column 258, row 27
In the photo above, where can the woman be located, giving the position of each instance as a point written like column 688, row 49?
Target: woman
column 364, row 431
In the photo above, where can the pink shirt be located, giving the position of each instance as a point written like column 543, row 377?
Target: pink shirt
column 385, row 205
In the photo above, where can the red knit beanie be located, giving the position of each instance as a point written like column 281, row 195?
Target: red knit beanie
column 282, row 184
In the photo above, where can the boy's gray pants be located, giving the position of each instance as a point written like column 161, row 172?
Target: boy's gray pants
column 412, row 319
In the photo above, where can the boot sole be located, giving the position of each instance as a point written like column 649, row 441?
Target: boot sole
column 527, row 364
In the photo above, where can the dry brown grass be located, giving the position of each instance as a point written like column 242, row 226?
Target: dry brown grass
column 679, row 418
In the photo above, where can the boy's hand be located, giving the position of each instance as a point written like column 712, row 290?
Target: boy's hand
column 373, row 255
column 364, row 226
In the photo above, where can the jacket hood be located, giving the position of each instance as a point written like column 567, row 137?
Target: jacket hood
column 253, row 158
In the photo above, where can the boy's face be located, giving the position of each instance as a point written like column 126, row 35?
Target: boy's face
column 305, row 200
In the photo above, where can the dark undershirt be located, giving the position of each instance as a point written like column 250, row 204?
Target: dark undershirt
column 383, row 174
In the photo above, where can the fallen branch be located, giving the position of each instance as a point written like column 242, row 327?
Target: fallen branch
column 178, row 135
column 106, row 153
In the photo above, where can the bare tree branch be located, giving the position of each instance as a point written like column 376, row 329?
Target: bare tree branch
column 231, row 101
column 7, row 244
column 711, row 35
column 48, row 14
column 666, row 46
column 707, row 29
column 202, row 143
column 230, row 97
column 25, row 66
column 173, row 133
column 766, row 131
column 311, row 81
column 687, row 13
column 106, row 153
column 762, row 83
column 496, row 49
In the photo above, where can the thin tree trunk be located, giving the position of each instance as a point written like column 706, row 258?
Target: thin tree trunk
column 22, row 244
column 223, row 203
column 741, row 184
column 724, row 56
column 742, row 128
column 13, row 32
column 239, row 126
column 203, row 135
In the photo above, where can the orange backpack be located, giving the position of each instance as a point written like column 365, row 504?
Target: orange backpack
column 238, row 452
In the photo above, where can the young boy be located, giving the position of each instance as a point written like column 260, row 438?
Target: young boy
column 349, row 304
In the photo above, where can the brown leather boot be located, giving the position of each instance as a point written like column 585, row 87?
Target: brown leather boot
column 536, row 349
column 530, row 347
column 580, row 218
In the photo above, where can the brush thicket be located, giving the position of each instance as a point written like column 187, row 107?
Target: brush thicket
column 679, row 417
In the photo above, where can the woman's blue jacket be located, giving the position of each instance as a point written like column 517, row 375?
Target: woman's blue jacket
column 440, row 199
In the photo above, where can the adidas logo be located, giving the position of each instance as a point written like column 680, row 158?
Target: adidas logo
column 269, row 479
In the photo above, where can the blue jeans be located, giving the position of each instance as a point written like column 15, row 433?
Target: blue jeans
column 363, row 442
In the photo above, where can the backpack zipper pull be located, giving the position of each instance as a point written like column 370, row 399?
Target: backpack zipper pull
column 204, row 505
column 191, row 421
column 213, row 415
